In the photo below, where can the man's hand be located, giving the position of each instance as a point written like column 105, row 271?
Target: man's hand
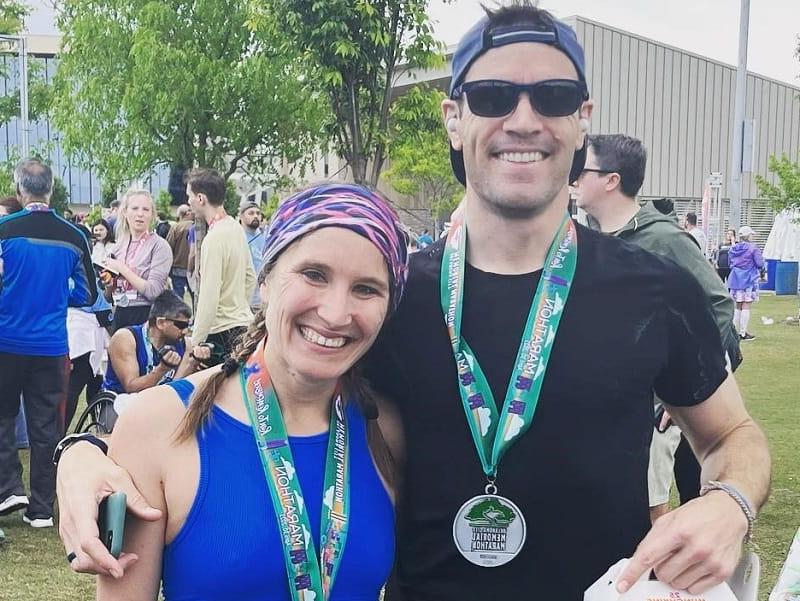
column 85, row 477
column 201, row 353
column 170, row 360
column 692, row 548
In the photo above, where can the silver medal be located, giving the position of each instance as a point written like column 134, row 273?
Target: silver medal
column 489, row 530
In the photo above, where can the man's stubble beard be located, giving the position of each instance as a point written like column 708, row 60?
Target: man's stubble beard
column 526, row 209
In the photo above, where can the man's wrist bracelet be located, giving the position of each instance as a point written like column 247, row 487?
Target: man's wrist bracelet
column 740, row 499
column 71, row 439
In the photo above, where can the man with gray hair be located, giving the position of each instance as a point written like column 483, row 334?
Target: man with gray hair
column 47, row 266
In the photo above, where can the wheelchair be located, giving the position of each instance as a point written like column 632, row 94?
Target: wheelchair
column 99, row 417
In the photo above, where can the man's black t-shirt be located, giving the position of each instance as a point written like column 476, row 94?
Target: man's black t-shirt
column 633, row 323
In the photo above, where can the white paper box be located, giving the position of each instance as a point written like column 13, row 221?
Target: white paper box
column 788, row 586
column 744, row 583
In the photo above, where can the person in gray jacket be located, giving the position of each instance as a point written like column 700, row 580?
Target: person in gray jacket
column 606, row 189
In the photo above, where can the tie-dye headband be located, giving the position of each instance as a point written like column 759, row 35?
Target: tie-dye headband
column 343, row 205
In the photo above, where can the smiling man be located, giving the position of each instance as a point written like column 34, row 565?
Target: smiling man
column 529, row 411
column 528, row 419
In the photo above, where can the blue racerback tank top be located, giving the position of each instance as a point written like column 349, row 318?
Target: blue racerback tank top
column 229, row 546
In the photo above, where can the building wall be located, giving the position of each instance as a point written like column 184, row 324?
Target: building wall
column 83, row 184
column 681, row 106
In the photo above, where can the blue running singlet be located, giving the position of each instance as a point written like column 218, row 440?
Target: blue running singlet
column 229, row 547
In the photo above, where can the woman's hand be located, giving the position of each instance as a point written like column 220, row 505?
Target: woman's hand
column 117, row 266
column 85, row 477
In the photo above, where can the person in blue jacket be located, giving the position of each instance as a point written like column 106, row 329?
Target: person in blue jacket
column 41, row 254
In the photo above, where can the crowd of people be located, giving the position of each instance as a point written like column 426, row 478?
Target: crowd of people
column 482, row 417
column 104, row 310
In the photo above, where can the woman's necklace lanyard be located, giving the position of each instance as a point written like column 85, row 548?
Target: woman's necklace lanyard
column 137, row 247
column 492, row 435
column 124, row 284
column 306, row 581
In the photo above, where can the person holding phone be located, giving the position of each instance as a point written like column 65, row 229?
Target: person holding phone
column 139, row 264
column 304, row 504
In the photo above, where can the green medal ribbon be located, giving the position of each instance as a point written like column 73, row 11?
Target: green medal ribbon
column 306, row 581
column 493, row 436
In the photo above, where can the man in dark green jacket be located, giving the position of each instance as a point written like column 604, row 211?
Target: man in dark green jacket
column 606, row 189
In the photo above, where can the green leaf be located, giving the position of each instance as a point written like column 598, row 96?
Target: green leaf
column 785, row 193
column 143, row 83
column 419, row 152
column 355, row 45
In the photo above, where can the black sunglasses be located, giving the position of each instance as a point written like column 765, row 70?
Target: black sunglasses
column 178, row 323
column 496, row 98
column 600, row 171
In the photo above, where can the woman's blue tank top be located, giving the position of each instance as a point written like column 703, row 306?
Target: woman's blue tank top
column 229, row 546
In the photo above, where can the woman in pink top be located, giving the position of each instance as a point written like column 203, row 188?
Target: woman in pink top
column 140, row 261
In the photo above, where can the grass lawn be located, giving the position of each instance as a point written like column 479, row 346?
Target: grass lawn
column 33, row 566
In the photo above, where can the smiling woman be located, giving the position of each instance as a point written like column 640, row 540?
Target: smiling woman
column 268, row 468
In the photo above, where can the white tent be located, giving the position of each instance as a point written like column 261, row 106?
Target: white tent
column 783, row 243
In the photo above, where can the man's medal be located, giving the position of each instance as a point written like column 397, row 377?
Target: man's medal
column 489, row 530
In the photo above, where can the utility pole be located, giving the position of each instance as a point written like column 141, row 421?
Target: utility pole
column 737, row 151
column 22, row 55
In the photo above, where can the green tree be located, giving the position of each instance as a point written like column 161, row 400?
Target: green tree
column 12, row 16
column 59, row 200
column 232, row 199
column 268, row 208
column 164, row 203
column 145, row 82
column 109, row 193
column 94, row 215
column 12, row 21
column 419, row 152
column 354, row 51
column 786, row 193
column 491, row 512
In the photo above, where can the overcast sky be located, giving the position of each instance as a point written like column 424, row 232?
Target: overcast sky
column 706, row 27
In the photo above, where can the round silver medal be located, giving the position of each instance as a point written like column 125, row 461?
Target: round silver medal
column 489, row 530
